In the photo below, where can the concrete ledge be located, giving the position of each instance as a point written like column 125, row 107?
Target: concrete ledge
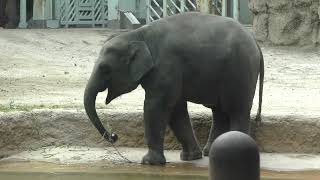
column 22, row 131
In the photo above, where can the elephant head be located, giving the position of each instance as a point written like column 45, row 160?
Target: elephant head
column 122, row 63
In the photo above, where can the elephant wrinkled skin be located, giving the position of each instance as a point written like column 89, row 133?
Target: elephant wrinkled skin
column 204, row 59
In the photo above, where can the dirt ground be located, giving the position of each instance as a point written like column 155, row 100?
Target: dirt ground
column 49, row 69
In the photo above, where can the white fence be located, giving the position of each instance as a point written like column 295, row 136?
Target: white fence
column 157, row 9
column 77, row 12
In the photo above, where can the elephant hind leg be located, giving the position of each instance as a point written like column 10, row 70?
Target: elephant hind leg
column 181, row 126
column 220, row 125
column 240, row 122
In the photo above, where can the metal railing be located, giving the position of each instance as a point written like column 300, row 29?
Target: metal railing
column 157, row 9
column 83, row 12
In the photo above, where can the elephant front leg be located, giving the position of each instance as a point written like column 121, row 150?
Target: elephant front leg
column 156, row 117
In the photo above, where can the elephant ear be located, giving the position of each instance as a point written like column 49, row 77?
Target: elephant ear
column 140, row 59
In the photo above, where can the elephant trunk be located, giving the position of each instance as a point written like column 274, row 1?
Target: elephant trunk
column 90, row 95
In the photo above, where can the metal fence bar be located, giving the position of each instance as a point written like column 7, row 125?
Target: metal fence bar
column 23, row 14
column 224, row 7
column 164, row 7
column 148, row 11
column 193, row 5
column 183, row 5
column 175, row 5
column 169, row 7
column 88, row 12
column 236, row 9
column 155, row 12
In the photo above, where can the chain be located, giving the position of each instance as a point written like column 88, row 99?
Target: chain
column 121, row 155
column 118, row 152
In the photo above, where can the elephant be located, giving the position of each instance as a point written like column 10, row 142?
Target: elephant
column 234, row 155
column 189, row 57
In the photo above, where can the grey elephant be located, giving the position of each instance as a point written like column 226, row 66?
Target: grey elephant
column 204, row 59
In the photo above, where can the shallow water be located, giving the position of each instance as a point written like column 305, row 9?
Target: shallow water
column 182, row 171
column 94, row 176
column 99, row 176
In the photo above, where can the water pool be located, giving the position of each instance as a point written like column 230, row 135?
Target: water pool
column 182, row 171
column 107, row 176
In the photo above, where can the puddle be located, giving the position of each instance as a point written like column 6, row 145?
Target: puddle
column 77, row 163
column 92, row 176
column 186, row 171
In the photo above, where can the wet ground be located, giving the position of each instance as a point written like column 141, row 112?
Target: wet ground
column 98, row 163
column 51, row 171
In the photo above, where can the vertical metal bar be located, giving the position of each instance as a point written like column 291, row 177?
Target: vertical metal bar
column 92, row 13
column 236, row 9
column 48, row 11
column 113, row 9
column 164, row 7
column 182, row 5
column 57, row 7
column 224, row 7
column 103, row 13
column 148, row 3
column 23, row 14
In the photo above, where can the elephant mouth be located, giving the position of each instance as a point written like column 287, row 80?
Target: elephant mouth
column 111, row 95
column 109, row 98
column 114, row 93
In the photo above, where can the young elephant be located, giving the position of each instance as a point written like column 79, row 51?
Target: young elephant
column 204, row 59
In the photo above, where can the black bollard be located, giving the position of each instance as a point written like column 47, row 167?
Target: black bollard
column 234, row 156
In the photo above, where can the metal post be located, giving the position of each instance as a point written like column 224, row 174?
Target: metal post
column 224, row 7
column 182, row 5
column 148, row 3
column 164, row 7
column 236, row 9
column 113, row 14
column 48, row 10
column 67, row 4
column 50, row 15
column 23, row 14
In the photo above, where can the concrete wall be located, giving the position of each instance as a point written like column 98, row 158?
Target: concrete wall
column 286, row 22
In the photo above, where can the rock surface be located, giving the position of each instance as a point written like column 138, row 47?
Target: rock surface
column 286, row 22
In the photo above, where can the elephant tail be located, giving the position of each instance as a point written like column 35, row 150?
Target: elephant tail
column 261, row 80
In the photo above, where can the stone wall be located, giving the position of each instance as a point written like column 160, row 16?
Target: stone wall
column 286, row 22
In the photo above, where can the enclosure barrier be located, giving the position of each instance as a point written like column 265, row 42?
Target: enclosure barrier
column 102, row 12
column 157, row 9
column 83, row 12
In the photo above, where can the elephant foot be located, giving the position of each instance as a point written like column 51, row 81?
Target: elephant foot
column 154, row 158
column 191, row 155
column 206, row 149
